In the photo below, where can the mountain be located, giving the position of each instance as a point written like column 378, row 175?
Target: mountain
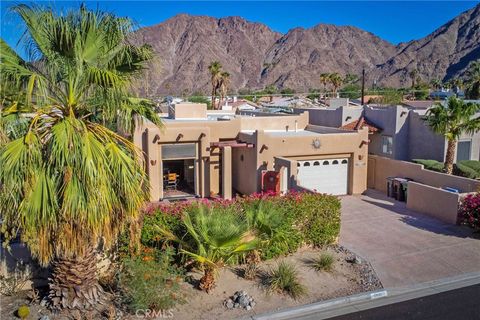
column 257, row 56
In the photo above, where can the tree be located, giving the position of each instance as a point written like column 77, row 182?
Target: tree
column 413, row 76
column 215, row 69
column 336, row 81
column 325, row 79
column 452, row 121
column 223, row 84
column 351, row 78
column 436, row 84
column 473, row 80
column 70, row 183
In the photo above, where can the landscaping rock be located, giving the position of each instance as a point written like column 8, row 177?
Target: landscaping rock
column 240, row 299
column 354, row 260
column 44, row 318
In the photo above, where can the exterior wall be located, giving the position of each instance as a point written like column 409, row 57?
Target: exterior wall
column 423, row 142
column 331, row 117
column 188, row 111
column 475, row 145
column 434, row 202
column 383, row 168
column 393, row 121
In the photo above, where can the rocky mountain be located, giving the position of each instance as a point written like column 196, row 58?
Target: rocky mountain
column 257, row 57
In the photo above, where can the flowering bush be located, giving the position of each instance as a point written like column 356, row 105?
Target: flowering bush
column 301, row 217
column 470, row 211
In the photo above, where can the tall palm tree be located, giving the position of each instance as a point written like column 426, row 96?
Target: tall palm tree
column 224, row 83
column 436, row 84
column 325, row 79
column 413, row 76
column 336, row 81
column 70, row 183
column 452, row 121
column 473, row 80
column 215, row 69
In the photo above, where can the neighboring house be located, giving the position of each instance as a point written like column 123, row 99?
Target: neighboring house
column 400, row 131
column 202, row 153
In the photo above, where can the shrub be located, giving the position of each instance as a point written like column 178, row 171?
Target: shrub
column 284, row 279
column 465, row 171
column 473, row 168
column 324, row 262
column 430, row 164
column 151, row 281
column 470, row 211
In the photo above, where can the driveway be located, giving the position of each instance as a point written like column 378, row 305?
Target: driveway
column 403, row 246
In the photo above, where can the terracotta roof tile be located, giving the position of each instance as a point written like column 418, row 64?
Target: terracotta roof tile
column 360, row 124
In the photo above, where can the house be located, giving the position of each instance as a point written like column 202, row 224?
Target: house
column 396, row 132
column 199, row 153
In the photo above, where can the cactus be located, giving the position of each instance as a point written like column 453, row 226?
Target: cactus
column 23, row 312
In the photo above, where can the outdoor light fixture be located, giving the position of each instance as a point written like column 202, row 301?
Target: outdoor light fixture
column 180, row 136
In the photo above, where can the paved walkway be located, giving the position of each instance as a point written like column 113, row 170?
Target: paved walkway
column 403, row 246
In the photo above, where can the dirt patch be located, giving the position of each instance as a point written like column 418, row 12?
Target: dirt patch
column 350, row 275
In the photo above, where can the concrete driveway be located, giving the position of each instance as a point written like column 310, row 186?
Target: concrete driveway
column 403, row 246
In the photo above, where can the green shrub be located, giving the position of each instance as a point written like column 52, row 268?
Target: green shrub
column 151, row 281
column 430, row 164
column 284, row 279
column 324, row 262
column 274, row 227
column 465, row 171
column 472, row 164
column 151, row 222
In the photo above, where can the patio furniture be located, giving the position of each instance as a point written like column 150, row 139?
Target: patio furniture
column 170, row 181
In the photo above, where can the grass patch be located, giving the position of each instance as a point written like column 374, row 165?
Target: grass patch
column 284, row 279
column 324, row 262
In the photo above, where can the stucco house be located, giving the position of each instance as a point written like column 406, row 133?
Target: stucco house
column 396, row 132
column 200, row 153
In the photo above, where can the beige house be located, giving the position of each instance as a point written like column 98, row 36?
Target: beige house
column 200, row 153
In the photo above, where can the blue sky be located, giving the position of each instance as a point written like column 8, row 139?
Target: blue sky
column 394, row 21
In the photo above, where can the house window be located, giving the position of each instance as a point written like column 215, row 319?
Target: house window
column 387, row 145
column 463, row 150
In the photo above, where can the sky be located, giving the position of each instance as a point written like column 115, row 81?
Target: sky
column 394, row 21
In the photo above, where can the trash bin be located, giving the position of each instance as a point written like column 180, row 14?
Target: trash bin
column 390, row 187
column 405, row 190
column 400, row 186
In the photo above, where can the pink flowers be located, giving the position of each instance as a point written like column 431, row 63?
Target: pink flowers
column 469, row 212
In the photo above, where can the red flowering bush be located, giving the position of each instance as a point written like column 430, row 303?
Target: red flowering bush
column 470, row 211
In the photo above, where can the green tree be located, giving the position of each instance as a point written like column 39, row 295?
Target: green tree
column 473, row 80
column 436, row 84
column 70, row 183
column 413, row 76
column 223, row 84
column 215, row 69
column 452, row 121
column 325, row 79
column 336, row 81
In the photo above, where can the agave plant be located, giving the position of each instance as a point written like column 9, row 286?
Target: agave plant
column 68, row 181
column 219, row 236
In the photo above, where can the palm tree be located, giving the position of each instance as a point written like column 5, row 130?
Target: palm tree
column 473, row 80
column 224, row 82
column 220, row 237
column 215, row 69
column 435, row 84
column 70, row 183
column 336, row 81
column 325, row 79
column 413, row 76
column 452, row 121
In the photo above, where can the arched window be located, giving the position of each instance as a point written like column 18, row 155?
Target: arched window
column 298, row 164
column 306, row 164
column 316, row 163
column 326, row 163
column 335, row 162
column 344, row 161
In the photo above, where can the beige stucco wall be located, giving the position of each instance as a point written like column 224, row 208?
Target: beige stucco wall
column 188, row 111
column 382, row 168
column 434, row 202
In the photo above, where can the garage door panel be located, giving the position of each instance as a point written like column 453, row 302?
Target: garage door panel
column 324, row 176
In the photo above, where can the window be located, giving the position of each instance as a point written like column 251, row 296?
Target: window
column 306, row 164
column 463, row 150
column 326, row 163
column 316, row 163
column 335, row 162
column 387, row 145
column 344, row 161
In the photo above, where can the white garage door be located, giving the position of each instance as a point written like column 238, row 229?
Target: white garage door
column 324, row 176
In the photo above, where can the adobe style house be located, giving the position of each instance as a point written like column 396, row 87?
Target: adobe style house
column 396, row 132
column 208, row 153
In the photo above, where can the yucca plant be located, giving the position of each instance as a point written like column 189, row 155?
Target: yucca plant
column 69, row 182
column 218, row 236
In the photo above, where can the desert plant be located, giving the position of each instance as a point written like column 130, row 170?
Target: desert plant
column 15, row 281
column 215, row 236
column 151, row 281
column 469, row 212
column 283, row 278
column 215, row 70
column 430, row 164
column 324, row 262
column 336, row 80
column 473, row 80
column 23, row 312
column 70, row 182
column 451, row 121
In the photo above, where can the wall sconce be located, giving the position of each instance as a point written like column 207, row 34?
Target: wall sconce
column 348, row 118
column 202, row 135
column 153, row 162
column 403, row 113
column 264, row 147
column 360, row 157
column 156, row 138
column 180, row 136
column 364, row 142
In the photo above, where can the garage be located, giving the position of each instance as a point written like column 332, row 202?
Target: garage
column 324, row 175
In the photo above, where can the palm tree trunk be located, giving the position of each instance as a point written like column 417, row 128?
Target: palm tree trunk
column 450, row 156
column 207, row 282
column 74, row 283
